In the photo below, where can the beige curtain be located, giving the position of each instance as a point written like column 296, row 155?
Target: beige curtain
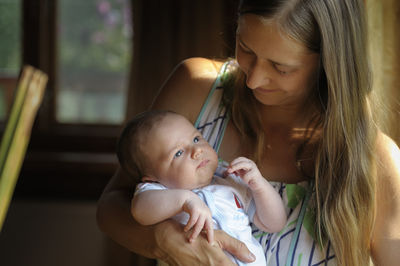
column 384, row 40
column 168, row 31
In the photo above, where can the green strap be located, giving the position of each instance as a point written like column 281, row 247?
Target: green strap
column 216, row 82
column 300, row 219
column 219, row 141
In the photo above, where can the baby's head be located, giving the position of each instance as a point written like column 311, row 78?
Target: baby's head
column 164, row 147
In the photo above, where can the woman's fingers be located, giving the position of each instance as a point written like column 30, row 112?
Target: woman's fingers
column 174, row 249
column 235, row 247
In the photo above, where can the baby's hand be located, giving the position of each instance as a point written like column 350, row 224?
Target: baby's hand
column 248, row 171
column 200, row 217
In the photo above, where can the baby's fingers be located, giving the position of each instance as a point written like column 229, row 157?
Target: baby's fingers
column 197, row 229
column 239, row 160
column 208, row 226
column 192, row 221
column 240, row 167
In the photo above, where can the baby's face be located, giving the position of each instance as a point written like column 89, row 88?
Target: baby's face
column 180, row 157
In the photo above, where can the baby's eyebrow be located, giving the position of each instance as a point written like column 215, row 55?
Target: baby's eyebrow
column 196, row 132
column 170, row 151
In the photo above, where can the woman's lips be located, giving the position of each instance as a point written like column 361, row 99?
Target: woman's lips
column 266, row 90
column 203, row 163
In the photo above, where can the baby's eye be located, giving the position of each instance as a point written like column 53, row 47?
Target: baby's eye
column 196, row 139
column 178, row 153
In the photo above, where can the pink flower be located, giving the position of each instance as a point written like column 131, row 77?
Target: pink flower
column 103, row 7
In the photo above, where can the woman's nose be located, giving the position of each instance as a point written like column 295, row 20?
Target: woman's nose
column 257, row 75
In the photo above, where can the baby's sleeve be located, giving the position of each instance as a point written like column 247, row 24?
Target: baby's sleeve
column 148, row 186
column 251, row 210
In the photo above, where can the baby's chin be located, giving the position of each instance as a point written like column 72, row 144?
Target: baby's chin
column 209, row 174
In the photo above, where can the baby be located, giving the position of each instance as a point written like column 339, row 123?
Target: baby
column 181, row 178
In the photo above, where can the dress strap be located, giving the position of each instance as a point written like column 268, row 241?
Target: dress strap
column 213, row 117
column 216, row 83
column 223, row 128
column 300, row 219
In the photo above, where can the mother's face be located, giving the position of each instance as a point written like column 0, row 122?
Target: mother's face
column 279, row 70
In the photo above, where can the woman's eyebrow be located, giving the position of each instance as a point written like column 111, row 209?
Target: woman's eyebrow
column 272, row 61
column 281, row 64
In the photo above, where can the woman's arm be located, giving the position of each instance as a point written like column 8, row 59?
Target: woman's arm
column 386, row 235
column 166, row 240
column 115, row 219
column 184, row 92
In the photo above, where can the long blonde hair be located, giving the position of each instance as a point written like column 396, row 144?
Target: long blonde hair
column 344, row 163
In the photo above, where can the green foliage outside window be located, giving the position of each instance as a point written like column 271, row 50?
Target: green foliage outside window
column 10, row 44
column 93, row 35
column 94, row 55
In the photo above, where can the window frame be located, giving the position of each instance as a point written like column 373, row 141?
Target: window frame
column 63, row 159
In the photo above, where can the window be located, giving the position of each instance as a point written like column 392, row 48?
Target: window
column 84, row 47
column 10, row 51
column 93, row 60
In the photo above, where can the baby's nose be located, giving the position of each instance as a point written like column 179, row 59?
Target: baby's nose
column 196, row 153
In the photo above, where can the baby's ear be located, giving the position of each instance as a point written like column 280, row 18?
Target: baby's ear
column 149, row 179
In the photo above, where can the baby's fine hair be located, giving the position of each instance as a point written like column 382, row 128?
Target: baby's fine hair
column 129, row 146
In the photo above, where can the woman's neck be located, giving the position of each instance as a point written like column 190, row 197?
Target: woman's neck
column 286, row 117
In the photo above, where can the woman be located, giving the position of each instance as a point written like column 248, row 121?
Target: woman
column 298, row 103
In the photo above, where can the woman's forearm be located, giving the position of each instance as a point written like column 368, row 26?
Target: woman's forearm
column 114, row 219
column 165, row 240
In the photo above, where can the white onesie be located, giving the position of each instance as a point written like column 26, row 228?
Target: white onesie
column 232, row 207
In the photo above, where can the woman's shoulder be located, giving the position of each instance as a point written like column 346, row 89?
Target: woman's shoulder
column 187, row 86
column 200, row 67
column 388, row 165
column 386, row 234
column 388, row 153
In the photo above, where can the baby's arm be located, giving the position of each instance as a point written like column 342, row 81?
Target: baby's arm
column 270, row 213
column 153, row 206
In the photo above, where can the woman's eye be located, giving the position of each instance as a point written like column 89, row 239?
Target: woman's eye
column 196, row 139
column 178, row 153
column 244, row 49
column 280, row 70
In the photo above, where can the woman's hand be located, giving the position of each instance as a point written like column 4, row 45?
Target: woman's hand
column 174, row 249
